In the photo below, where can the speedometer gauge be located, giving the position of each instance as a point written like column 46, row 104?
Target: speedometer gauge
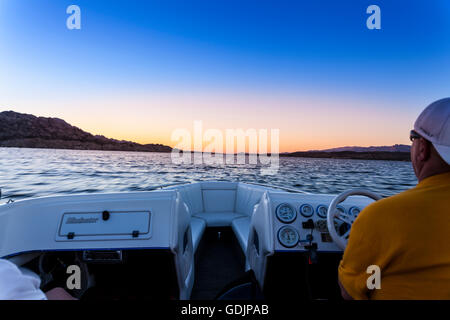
column 288, row 236
column 306, row 210
column 354, row 211
column 322, row 211
column 286, row 213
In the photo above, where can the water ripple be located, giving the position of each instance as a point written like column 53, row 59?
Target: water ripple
column 26, row 173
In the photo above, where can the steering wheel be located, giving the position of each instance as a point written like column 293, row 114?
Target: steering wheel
column 348, row 218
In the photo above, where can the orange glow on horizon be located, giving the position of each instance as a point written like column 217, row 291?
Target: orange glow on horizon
column 305, row 122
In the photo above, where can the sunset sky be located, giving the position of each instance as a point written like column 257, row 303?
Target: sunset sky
column 138, row 70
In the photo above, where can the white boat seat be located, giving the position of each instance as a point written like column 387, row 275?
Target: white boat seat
column 218, row 219
column 220, row 204
column 197, row 228
column 241, row 228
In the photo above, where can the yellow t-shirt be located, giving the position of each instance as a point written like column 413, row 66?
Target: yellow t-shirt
column 408, row 237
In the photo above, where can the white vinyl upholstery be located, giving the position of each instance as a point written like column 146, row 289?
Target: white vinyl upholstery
column 241, row 228
column 221, row 204
column 219, row 200
column 182, row 247
column 260, row 240
column 247, row 197
column 192, row 196
column 197, row 228
column 219, row 219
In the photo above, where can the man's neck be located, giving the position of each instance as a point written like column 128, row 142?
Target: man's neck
column 426, row 173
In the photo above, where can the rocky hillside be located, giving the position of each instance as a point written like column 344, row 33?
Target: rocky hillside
column 394, row 148
column 28, row 131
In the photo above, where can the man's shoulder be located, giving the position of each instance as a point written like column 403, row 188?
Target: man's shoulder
column 385, row 206
column 397, row 199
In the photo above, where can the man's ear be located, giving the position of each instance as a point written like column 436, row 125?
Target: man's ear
column 424, row 150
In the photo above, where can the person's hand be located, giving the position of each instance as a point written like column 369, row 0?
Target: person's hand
column 59, row 294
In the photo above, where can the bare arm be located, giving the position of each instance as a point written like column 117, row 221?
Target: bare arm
column 59, row 294
column 344, row 293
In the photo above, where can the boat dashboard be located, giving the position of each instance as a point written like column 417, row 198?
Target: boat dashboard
column 299, row 258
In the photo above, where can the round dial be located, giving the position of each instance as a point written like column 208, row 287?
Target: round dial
column 288, row 236
column 322, row 211
column 306, row 210
column 354, row 211
column 286, row 213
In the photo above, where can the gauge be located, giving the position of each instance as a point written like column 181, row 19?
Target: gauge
column 354, row 211
column 286, row 213
column 306, row 210
column 322, row 211
column 288, row 236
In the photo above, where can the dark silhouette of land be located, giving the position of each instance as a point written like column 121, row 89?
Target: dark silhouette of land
column 394, row 148
column 28, row 131
column 362, row 155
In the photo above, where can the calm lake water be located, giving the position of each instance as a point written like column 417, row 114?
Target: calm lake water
column 26, row 173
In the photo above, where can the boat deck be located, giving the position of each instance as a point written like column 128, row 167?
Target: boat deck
column 219, row 261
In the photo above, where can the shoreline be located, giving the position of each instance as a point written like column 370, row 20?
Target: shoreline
column 354, row 155
column 345, row 155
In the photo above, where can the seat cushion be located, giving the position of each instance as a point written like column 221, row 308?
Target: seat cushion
column 247, row 197
column 218, row 219
column 241, row 228
column 192, row 196
column 197, row 228
column 219, row 200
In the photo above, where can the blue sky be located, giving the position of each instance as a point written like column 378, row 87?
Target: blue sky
column 302, row 55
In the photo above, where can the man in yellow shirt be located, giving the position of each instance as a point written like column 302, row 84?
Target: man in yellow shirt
column 407, row 235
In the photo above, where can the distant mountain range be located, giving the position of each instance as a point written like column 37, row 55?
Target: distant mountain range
column 394, row 148
column 361, row 155
column 28, row 131
column 397, row 152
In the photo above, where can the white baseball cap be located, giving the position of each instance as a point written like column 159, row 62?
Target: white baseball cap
column 434, row 125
